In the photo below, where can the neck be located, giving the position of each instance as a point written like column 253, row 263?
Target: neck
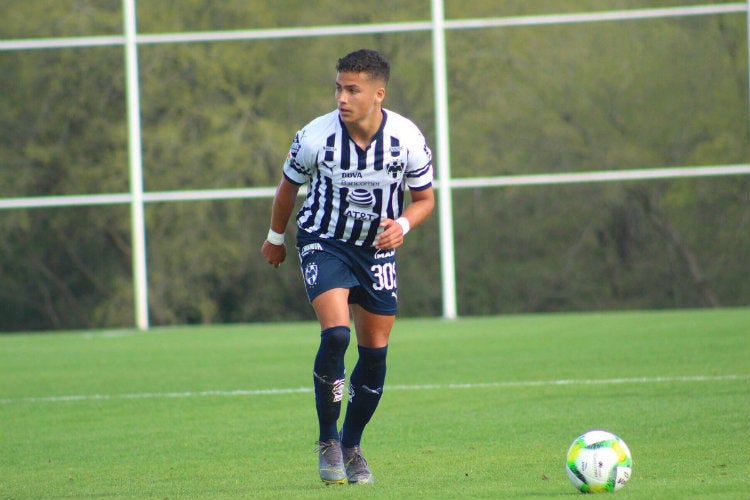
column 363, row 131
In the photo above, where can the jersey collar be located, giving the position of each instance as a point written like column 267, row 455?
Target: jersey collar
column 377, row 137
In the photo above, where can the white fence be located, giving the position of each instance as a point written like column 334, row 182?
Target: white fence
column 437, row 25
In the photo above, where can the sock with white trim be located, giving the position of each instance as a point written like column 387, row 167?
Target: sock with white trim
column 365, row 390
column 328, row 379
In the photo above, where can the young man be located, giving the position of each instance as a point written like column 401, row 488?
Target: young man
column 357, row 160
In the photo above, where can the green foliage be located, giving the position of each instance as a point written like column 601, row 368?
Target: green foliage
column 576, row 97
column 474, row 408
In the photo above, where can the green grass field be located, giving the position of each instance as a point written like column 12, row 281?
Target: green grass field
column 473, row 408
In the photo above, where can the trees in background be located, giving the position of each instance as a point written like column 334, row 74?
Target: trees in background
column 620, row 95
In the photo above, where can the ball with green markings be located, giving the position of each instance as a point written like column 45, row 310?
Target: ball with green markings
column 598, row 462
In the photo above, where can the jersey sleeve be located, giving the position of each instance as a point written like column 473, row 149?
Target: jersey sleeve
column 419, row 174
column 298, row 167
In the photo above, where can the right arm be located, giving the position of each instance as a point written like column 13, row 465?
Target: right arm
column 283, row 205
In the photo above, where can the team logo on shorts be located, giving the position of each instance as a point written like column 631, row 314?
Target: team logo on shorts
column 311, row 274
column 308, row 249
column 384, row 254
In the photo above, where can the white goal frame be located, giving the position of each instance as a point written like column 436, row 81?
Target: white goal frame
column 437, row 25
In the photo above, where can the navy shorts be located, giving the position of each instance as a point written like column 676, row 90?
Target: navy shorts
column 368, row 273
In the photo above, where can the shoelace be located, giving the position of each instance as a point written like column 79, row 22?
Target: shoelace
column 357, row 459
column 323, row 447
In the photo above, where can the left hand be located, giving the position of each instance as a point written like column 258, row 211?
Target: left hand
column 391, row 237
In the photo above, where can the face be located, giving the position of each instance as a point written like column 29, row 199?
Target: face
column 358, row 97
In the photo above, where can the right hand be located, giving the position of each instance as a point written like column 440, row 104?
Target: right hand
column 274, row 254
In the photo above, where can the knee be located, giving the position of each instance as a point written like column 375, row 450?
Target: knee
column 373, row 358
column 336, row 338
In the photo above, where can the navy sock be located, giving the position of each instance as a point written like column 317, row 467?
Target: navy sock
column 328, row 379
column 365, row 390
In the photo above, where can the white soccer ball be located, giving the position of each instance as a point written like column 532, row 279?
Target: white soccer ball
column 598, row 461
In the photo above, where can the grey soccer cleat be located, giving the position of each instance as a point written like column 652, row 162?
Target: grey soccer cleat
column 330, row 462
column 357, row 471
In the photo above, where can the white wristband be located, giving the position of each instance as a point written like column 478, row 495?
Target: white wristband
column 275, row 238
column 404, row 223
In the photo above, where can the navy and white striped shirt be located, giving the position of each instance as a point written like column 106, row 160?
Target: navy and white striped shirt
column 352, row 190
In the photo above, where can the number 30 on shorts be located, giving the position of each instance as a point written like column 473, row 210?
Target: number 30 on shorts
column 385, row 274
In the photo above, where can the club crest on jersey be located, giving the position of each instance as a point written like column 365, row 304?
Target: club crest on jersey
column 311, row 274
column 395, row 168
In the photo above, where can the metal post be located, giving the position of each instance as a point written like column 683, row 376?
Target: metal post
column 445, row 195
column 138, row 226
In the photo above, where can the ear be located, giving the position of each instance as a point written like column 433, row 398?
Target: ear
column 380, row 94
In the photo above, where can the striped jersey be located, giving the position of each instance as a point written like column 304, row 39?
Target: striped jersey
column 352, row 190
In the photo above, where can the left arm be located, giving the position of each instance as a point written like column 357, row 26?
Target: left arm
column 422, row 203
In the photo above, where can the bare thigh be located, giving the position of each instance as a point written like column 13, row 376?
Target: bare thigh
column 373, row 330
column 332, row 308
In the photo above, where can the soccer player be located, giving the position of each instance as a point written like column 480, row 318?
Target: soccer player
column 357, row 161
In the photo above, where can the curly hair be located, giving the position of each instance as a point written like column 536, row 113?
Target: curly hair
column 366, row 61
